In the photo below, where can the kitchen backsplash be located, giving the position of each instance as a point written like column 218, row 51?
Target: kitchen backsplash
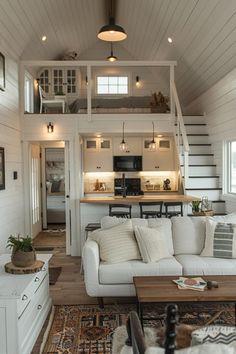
column 150, row 182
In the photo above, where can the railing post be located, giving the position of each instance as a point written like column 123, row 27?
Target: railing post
column 186, row 169
column 89, row 94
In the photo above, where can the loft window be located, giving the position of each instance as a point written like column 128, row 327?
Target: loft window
column 112, row 85
column 231, row 166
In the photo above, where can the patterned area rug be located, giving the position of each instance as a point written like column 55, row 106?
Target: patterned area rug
column 89, row 329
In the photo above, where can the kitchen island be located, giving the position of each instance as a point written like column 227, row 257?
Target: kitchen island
column 93, row 208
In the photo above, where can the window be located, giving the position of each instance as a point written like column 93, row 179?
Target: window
column 112, row 85
column 231, row 162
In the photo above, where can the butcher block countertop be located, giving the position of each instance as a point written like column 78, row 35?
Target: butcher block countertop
column 136, row 199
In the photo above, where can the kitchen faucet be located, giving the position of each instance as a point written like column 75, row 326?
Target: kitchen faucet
column 123, row 186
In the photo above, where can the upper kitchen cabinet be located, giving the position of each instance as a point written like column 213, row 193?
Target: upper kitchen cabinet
column 59, row 81
column 98, row 155
column 134, row 146
column 160, row 159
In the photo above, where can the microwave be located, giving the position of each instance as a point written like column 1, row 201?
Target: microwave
column 127, row 163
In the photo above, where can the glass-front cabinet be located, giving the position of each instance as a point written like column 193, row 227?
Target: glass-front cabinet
column 59, row 81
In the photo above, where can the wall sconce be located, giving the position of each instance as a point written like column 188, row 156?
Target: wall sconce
column 152, row 145
column 86, row 79
column 137, row 81
column 50, row 127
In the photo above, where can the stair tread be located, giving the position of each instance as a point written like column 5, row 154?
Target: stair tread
column 203, row 177
column 196, row 134
column 217, row 201
column 199, row 154
column 189, row 124
column 203, row 189
column 199, row 165
column 197, row 144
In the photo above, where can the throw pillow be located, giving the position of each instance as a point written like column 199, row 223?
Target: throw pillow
column 117, row 244
column 220, row 240
column 152, row 243
column 214, row 334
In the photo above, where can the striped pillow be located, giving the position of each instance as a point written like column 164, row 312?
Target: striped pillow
column 220, row 240
column 117, row 244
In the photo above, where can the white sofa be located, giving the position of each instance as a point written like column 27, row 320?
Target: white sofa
column 185, row 236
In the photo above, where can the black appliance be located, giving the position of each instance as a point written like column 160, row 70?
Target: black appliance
column 127, row 163
column 132, row 186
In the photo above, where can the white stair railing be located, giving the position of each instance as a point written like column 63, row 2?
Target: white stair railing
column 181, row 132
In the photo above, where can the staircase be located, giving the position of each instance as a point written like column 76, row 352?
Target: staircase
column 203, row 180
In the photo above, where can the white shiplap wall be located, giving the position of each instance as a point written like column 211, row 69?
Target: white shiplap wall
column 11, row 199
column 219, row 105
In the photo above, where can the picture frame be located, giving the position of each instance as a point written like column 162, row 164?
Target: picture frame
column 2, row 168
column 2, row 73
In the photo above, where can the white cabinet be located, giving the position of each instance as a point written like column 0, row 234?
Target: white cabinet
column 55, row 81
column 162, row 158
column 98, row 155
column 24, row 306
column 134, row 146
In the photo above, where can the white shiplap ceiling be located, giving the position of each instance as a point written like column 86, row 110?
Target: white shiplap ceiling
column 203, row 33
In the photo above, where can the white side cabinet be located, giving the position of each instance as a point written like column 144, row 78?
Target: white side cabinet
column 162, row 158
column 98, row 155
column 24, row 306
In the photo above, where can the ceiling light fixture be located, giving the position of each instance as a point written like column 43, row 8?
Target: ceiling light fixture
column 137, row 81
column 170, row 40
column 112, row 32
column 123, row 145
column 44, row 38
column 112, row 57
column 152, row 145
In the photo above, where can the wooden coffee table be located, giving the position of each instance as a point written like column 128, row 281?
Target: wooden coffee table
column 161, row 289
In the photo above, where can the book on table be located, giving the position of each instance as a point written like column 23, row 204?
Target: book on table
column 196, row 283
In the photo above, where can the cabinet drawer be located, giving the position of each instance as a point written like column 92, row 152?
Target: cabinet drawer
column 26, row 297
column 34, row 309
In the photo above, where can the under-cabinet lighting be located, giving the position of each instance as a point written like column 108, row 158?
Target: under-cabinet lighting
column 157, row 173
column 170, row 40
column 44, row 38
column 97, row 174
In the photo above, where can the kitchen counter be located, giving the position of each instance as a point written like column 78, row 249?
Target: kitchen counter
column 136, row 199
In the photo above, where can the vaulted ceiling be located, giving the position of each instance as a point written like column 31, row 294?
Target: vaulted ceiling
column 203, row 33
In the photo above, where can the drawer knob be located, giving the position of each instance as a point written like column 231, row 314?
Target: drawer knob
column 36, row 279
column 39, row 307
column 24, row 297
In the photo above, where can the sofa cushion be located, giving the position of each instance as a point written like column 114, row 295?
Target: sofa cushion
column 197, row 265
column 167, row 225
column 220, row 240
column 117, row 244
column 124, row 272
column 188, row 234
column 110, row 221
column 152, row 243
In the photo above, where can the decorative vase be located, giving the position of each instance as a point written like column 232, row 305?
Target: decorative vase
column 23, row 259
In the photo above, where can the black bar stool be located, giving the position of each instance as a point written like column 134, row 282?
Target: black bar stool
column 118, row 212
column 91, row 227
column 150, row 213
column 170, row 213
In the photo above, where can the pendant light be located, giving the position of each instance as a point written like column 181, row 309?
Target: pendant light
column 123, row 145
column 152, row 145
column 112, row 57
column 112, row 32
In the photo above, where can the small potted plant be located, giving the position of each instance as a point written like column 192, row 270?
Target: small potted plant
column 23, row 253
column 196, row 206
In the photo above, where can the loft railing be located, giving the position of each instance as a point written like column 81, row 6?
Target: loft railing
column 181, row 133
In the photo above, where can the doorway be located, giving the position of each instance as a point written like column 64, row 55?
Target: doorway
column 54, row 226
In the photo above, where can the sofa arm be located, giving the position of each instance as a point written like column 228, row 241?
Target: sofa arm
column 91, row 260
